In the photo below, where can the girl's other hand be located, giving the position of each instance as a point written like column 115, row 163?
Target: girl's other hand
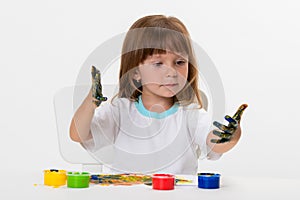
column 97, row 87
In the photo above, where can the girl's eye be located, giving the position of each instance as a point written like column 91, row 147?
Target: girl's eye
column 157, row 64
column 180, row 62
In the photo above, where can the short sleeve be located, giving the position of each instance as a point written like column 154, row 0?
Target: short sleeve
column 200, row 124
column 103, row 128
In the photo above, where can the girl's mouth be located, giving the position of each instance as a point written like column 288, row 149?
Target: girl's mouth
column 170, row 84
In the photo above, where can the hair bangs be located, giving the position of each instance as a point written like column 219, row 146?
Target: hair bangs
column 161, row 40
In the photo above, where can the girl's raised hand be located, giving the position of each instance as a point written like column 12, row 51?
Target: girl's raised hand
column 226, row 132
column 97, row 87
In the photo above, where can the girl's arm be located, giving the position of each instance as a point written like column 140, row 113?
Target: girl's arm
column 81, row 121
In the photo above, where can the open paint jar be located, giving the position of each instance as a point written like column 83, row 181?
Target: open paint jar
column 55, row 177
column 163, row 181
column 208, row 180
column 78, row 179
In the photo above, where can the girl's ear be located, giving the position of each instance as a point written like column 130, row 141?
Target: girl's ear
column 137, row 76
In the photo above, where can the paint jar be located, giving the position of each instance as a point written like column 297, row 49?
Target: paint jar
column 78, row 179
column 163, row 181
column 208, row 180
column 54, row 177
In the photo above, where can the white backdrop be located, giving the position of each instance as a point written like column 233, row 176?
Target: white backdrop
column 254, row 45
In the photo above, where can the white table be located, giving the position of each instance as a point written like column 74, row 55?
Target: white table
column 21, row 186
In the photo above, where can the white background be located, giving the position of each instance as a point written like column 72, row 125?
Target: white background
column 255, row 46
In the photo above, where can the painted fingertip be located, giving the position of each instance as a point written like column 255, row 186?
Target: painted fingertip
column 217, row 133
column 219, row 141
column 243, row 106
column 214, row 140
column 219, row 125
column 230, row 119
column 222, row 134
column 103, row 98
column 215, row 123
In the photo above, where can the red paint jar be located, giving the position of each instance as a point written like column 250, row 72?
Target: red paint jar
column 163, row 181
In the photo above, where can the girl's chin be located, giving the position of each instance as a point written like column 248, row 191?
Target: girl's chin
column 163, row 92
column 166, row 94
column 169, row 94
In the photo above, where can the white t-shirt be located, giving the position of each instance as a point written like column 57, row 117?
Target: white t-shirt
column 129, row 138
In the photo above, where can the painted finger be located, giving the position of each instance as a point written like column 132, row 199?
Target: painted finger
column 222, row 134
column 94, row 82
column 237, row 116
column 220, row 126
column 93, row 71
column 224, row 128
column 99, row 94
column 232, row 122
column 98, row 84
column 218, row 141
column 102, row 98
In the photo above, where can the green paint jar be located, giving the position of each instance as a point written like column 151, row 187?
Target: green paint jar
column 78, row 179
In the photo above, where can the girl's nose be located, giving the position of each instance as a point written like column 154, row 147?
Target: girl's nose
column 171, row 71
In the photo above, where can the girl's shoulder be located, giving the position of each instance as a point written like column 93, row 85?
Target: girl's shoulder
column 119, row 104
column 194, row 107
column 114, row 104
column 194, row 112
column 119, row 100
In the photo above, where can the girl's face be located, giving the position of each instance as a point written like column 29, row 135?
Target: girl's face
column 163, row 75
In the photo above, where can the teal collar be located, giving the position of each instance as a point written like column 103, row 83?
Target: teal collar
column 140, row 107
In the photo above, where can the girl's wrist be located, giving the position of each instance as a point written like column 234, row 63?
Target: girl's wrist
column 89, row 100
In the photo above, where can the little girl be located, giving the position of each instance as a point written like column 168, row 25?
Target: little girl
column 156, row 123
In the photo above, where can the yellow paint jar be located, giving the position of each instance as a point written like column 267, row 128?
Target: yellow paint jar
column 54, row 177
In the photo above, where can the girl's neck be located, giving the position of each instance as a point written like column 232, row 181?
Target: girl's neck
column 156, row 103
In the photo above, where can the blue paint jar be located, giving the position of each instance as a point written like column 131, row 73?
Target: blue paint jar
column 208, row 180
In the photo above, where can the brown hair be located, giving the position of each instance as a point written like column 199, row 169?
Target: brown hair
column 151, row 35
